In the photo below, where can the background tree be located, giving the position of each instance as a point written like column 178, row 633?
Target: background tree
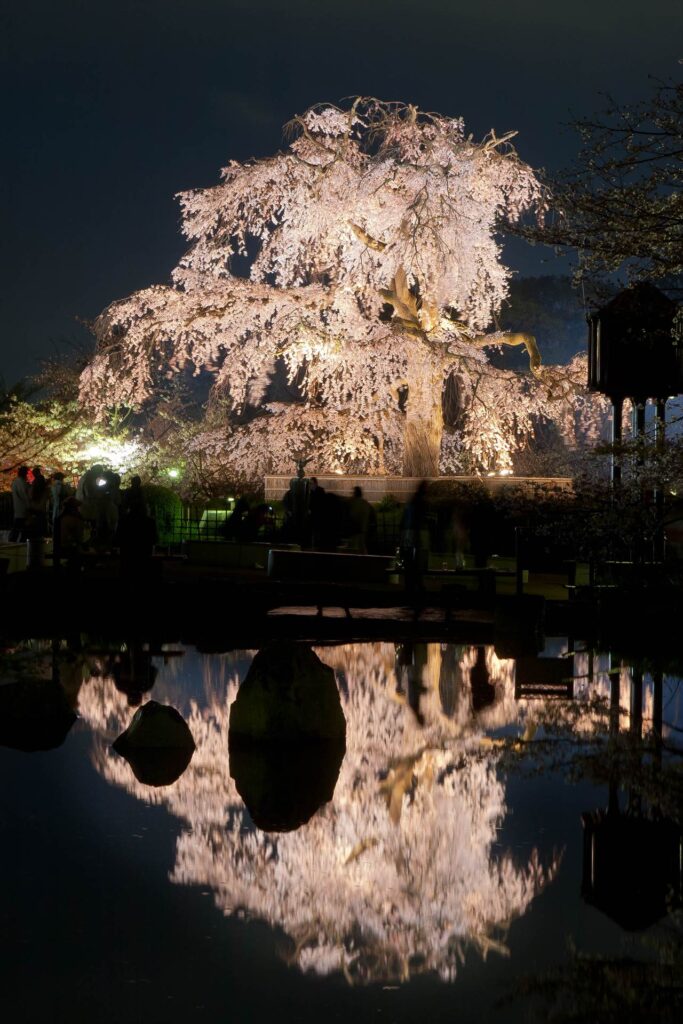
column 43, row 422
column 363, row 264
column 620, row 207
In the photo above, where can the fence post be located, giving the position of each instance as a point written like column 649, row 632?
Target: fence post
column 519, row 568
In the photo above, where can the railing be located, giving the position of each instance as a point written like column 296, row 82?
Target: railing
column 213, row 525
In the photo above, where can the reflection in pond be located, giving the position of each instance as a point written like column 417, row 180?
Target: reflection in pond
column 283, row 785
column 287, row 737
column 633, row 855
column 34, row 715
column 397, row 866
column 157, row 744
column 631, row 866
column 132, row 670
column 397, row 874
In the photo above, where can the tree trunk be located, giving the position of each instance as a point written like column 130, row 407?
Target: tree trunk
column 424, row 426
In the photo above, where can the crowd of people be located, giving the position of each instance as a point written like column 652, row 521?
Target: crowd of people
column 321, row 520
column 324, row 521
column 96, row 514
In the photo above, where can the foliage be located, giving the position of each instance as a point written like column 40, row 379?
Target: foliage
column 364, row 263
column 42, row 422
column 388, row 504
column 59, row 435
column 165, row 507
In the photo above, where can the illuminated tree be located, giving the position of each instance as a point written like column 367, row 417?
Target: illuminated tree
column 57, row 435
column 363, row 263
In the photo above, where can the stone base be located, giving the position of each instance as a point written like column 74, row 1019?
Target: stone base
column 403, row 487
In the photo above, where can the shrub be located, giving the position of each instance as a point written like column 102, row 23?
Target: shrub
column 388, row 503
column 165, row 507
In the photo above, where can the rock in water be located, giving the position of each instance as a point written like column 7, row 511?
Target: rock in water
column 157, row 744
column 288, row 695
column 287, row 737
column 284, row 784
column 34, row 715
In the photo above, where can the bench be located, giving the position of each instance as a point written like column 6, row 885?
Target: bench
column 328, row 567
column 229, row 554
column 336, row 571
column 484, row 577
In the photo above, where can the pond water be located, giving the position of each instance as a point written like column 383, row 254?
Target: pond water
column 503, row 842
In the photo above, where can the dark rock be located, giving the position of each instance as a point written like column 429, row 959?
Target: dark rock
column 157, row 744
column 34, row 715
column 631, row 867
column 518, row 625
column 284, row 784
column 288, row 695
column 287, row 736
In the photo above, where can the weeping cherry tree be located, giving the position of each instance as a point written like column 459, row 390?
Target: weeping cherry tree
column 364, row 263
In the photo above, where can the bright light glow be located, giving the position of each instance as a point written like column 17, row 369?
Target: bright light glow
column 120, row 456
column 174, row 473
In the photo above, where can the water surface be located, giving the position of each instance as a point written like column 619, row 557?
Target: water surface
column 444, row 877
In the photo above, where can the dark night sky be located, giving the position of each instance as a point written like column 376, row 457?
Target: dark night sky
column 112, row 106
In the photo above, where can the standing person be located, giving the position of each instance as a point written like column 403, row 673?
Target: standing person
column 295, row 502
column 137, row 537
column 68, row 536
column 38, row 502
column 316, row 512
column 482, row 526
column 133, row 498
column 360, row 519
column 88, row 496
column 108, row 511
column 21, row 497
column 415, row 540
column 58, row 493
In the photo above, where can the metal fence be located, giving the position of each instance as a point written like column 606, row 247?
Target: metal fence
column 212, row 525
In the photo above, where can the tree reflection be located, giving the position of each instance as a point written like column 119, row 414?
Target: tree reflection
column 397, row 875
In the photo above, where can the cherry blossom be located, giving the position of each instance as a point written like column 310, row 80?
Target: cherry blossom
column 364, row 263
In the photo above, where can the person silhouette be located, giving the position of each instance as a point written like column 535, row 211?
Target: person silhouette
column 21, row 499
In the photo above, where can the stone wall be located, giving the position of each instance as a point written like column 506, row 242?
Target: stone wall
column 402, row 487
